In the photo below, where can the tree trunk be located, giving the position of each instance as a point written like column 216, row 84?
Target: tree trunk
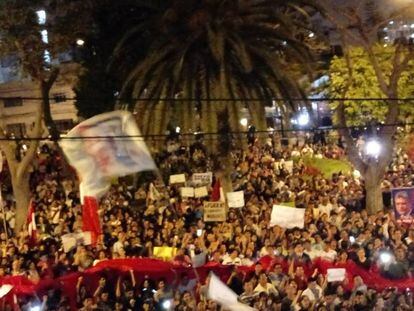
column 373, row 196
column 22, row 195
column 45, row 87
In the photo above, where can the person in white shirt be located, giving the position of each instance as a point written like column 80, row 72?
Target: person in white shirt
column 328, row 253
column 313, row 291
column 265, row 286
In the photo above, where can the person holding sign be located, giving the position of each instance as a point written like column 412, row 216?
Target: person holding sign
column 403, row 206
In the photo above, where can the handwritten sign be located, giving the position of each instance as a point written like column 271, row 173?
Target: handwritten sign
column 200, row 192
column 214, row 211
column 177, row 179
column 187, row 192
column 202, row 178
column 235, row 199
column 336, row 275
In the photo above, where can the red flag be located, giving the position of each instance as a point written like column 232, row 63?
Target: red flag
column 215, row 195
column 31, row 224
column 90, row 218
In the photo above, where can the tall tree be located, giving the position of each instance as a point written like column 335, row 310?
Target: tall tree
column 385, row 76
column 37, row 32
column 208, row 50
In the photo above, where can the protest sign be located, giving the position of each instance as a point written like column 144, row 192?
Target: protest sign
column 200, row 192
column 187, row 192
column 199, row 260
column 287, row 217
column 235, row 199
column 164, row 252
column 403, row 200
column 202, row 178
column 214, row 211
column 72, row 240
column 177, row 179
column 336, row 275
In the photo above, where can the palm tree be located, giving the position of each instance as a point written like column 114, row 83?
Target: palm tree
column 205, row 50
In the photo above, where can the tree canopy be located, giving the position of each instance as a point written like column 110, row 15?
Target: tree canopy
column 364, row 84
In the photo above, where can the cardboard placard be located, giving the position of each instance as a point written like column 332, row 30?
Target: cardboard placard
column 187, row 192
column 200, row 192
column 177, row 179
column 214, row 211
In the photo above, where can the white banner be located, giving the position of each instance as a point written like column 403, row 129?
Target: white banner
column 200, row 192
column 187, row 192
column 106, row 146
column 202, row 178
column 177, row 179
column 287, row 217
column 235, row 199
column 336, row 275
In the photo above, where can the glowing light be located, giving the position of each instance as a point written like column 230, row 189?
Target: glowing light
column 80, row 42
column 35, row 308
column 373, row 148
column 385, row 258
column 177, row 129
column 391, row 22
column 167, row 304
column 41, row 17
column 44, row 35
column 243, row 122
column 303, row 119
column 311, row 35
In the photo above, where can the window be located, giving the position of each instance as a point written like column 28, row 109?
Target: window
column 13, row 102
column 64, row 125
column 59, row 97
column 17, row 129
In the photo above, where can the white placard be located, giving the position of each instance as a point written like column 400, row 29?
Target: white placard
column 235, row 199
column 287, row 217
column 177, row 179
column 187, row 192
column 200, row 192
column 336, row 275
column 202, row 178
column 71, row 240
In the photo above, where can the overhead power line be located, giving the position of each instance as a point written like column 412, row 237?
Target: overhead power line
column 155, row 136
column 312, row 99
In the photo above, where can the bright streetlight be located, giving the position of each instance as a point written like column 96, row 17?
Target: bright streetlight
column 243, row 121
column 80, row 42
column 372, row 148
column 303, row 119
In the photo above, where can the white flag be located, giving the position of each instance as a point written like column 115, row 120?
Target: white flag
column 106, row 146
column 220, row 293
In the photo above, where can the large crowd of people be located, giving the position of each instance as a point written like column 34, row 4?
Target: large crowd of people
column 337, row 229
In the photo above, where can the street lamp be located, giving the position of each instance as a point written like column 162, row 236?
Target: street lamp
column 373, row 148
column 80, row 42
column 303, row 119
column 243, row 121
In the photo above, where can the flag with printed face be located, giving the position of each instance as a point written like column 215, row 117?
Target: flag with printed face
column 106, row 146
column 31, row 224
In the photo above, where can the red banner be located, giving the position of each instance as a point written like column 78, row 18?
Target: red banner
column 155, row 269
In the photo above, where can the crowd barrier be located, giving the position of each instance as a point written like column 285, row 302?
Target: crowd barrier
column 156, row 269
